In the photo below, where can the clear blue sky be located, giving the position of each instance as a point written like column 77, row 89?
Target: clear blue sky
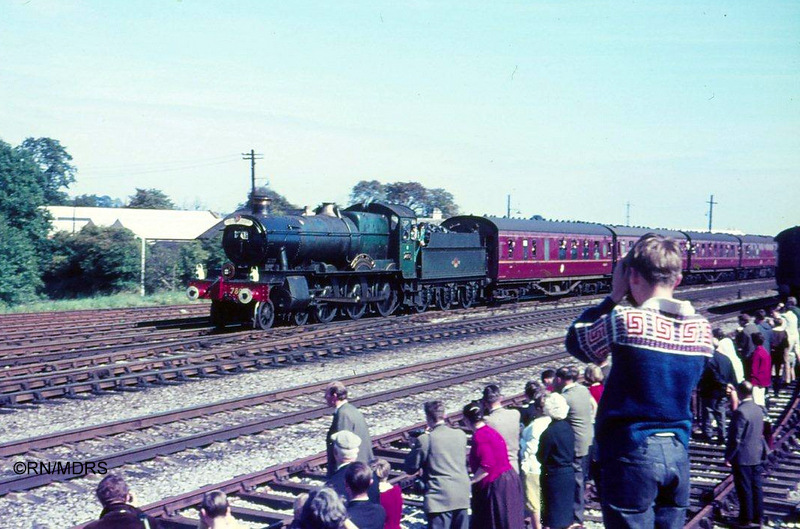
column 574, row 108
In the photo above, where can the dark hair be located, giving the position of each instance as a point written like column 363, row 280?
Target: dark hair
column 337, row 389
column 745, row 389
column 761, row 315
column 718, row 334
column 744, row 317
column 548, row 373
column 324, row 509
column 758, row 338
column 473, row 412
column 532, row 388
column 112, row 489
column 567, row 373
column 358, row 477
column 434, row 410
column 215, row 503
column 491, row 394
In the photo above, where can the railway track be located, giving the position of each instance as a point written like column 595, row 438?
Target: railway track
column 177, row 357
column 18, row 385
column 438, row 374
column 266, row 497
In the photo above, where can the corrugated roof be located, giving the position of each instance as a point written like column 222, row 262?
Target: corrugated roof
column 151, row 224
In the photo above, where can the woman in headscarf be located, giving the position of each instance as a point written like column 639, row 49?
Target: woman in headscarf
column 556, row 453
column 497, row 501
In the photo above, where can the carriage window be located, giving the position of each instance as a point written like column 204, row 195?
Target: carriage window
column 533, row 248
column 562, row 249
column 510, row 249
column 546, row 250
column 585, row 249
column 596, row 250
column 606, row 249
column 525, row 249
column 573, row 252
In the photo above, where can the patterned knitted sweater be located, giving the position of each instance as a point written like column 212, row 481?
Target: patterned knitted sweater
column 659, row 351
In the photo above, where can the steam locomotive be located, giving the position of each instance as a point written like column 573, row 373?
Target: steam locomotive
column 377, row 257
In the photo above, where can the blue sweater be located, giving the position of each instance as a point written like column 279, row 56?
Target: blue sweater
column 659, row 351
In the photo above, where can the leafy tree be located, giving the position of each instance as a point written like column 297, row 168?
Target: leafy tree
column 171, row 265
column 19, row 273
column 55, row 170
column 22, row 197
column 150, row 199
column 95, row 201
column 367, row 191
column 216, row 255
column 443, row 200
column 411, row 194
column 93, row 261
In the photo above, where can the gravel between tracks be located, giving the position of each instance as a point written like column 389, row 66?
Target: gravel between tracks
column 73, row 502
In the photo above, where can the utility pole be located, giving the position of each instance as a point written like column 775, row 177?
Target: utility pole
column 711, row 211
column 252, row 156
column 508, row 206
column 627, row 213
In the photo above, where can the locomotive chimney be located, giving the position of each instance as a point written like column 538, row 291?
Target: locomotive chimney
column 260, row 201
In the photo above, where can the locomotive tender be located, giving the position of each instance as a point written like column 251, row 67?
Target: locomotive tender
column 376, row 257
column 787, row 273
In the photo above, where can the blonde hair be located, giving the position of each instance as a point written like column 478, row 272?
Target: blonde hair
column 382, row 468
column 593, row 374
column 556, row 407
column 657, row 259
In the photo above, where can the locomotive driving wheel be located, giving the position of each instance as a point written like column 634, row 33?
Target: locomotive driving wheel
column 299, row 318
column 324, row 312
column 386, row 306
column 355, row 289
column 264, row 315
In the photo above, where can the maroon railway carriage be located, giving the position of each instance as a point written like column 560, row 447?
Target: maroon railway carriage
column 626, row 236
column 759, row 256
column 527, row 257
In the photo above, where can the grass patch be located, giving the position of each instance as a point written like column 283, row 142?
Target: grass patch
column 114, row 301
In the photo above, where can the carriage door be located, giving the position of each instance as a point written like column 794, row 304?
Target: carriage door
column 408, row 262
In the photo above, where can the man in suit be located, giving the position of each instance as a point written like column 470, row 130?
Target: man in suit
column 364, row 513
column 346, row 446
column 581, row 418
column 441, row 455
column 719, row 374
column 745, row 452
column 504, row 420
column 346, row 417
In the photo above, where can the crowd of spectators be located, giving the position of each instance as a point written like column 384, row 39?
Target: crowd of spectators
column 619, row 432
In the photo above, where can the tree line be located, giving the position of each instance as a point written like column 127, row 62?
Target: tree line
column 103, row 260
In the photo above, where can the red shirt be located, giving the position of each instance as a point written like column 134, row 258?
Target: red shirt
column 597, row 391
column 761, row 374
column 392, row 503
column 488, row 452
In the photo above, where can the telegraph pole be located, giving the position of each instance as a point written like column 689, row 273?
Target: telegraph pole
column 627, row 213
column 252, row 156
column 710, row 210
column 508, row 206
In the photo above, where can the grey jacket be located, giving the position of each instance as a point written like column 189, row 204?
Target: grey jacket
column 441, row 454
column 506, row 422
column 347, row 417
column 746, row 444
column 580, row 417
